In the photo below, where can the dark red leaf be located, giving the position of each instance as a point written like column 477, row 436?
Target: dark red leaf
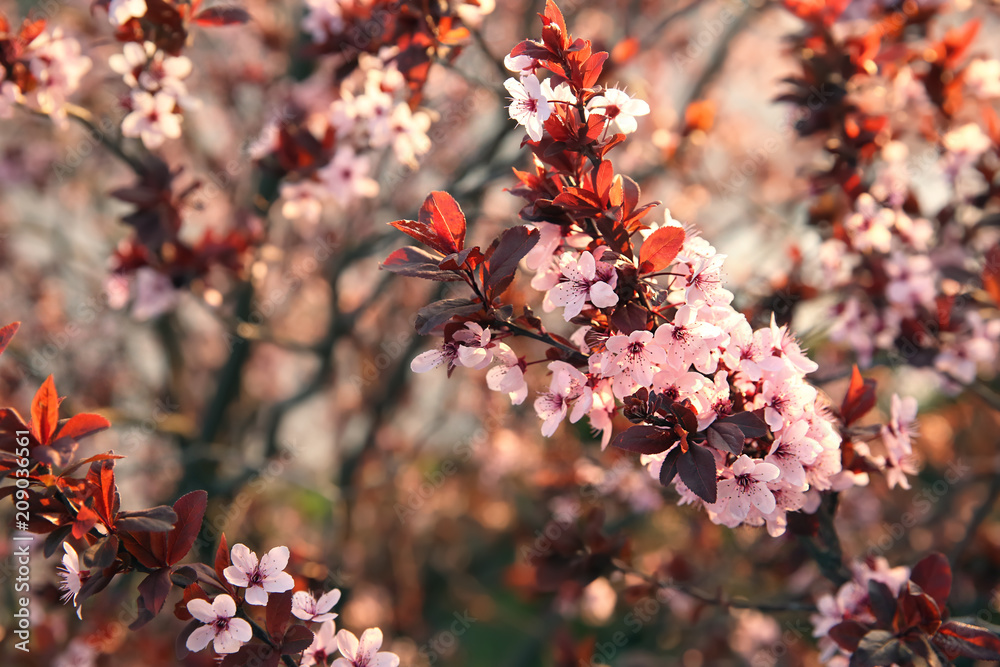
column 878, row 648
column 297, row 639
column 501, row 263
column 158, row 519
column 279, row 613
column 669, row 468
column 153, row 592
column 750, row 423
column 644, row 440
column 416, row 263
column 435, row 314
column 222, row 560
column 660, row 249
column 882, row 602
column 190, row 509
column 726, row 437
column 933, row 575
column 963, row 639
column 696, row 468
column 848, row 634
column 860, row 398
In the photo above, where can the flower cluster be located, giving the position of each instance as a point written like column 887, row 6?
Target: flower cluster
column 39, row 69
column 157, row 93
column 721, row 411
column 915, row 277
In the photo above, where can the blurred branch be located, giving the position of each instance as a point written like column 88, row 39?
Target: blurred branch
column 716, row 600
column 825, row 547
column 86, row 119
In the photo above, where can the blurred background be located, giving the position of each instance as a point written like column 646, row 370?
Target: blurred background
column 284, row 388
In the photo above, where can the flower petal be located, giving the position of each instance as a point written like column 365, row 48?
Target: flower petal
column 200, row 638
column 202, row 610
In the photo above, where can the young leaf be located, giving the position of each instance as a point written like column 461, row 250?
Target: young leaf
column 660, row 249
column 442, row 214
column 697, row 470
column 933, row 575
column 7, row 333
column 45, row 411
column 860, row 398
column 106, row 498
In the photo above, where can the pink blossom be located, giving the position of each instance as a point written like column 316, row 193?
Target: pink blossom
column 346, row 176
column 790, row 450
column 507, row 376
column 323, row 646
column 568, row 384
column 620, row 108
column 152, row 119
column 225, row 632
column 528, row 105
column 308, row 608
column 586, row 280
column 259, row 578
column 870, row 225
column 364, row 652
column 120, row 11
column 634, row 360
column 72, row 577
column 747, row 487
column 688, row 341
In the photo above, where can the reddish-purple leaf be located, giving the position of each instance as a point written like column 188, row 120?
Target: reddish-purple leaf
column 501, row 263
column 153, row 592
column 660, row 249
column 278, row 613
column 6, row 333
column 190, row 509
column 933, row 575
column 696, row 468
column 726, row 437
column 848, row 634
column 417, row 263
column 442, row 214
column 297, row 639
column 669, row 468
column 882, row 602
column 963, row 639
column 750, row 423
column 644, row 440
column 222, row 560
column 435, row 314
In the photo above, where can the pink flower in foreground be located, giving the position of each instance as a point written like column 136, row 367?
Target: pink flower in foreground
column 152, row 119
column 748, row 487
column 635, row 360
column 363, row 653
column 620, row 108
column 323, row 646
column 308, row 608
column 528, row 105
column 259, row 578
column 586, row 280
column 226, row 633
